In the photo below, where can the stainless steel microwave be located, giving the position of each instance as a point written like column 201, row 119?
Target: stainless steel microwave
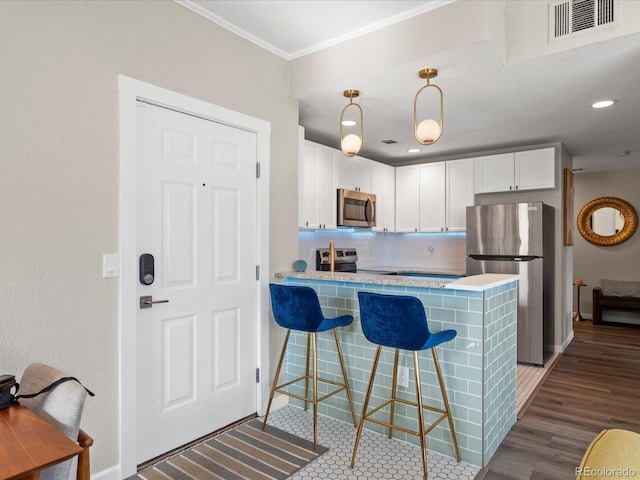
column 356, row 209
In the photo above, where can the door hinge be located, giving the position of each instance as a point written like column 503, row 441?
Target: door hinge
column 257, row 169
column 257, row 272
column 257, row 375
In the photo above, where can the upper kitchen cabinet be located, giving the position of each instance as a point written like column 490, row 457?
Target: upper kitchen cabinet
column 459, row 193
column 383, row 184
column 354, row 173
column 526, row 170
column 446, row 190
column 408, row 198
column 317, row 192
column 432, row 197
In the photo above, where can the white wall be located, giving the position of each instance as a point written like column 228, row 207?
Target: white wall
column 59, row 170
column 618, row 262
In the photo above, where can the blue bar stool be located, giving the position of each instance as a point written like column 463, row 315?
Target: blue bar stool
column 298, row 308
column 400, row 322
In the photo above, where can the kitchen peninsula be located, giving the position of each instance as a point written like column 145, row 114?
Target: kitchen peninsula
column 479, row 366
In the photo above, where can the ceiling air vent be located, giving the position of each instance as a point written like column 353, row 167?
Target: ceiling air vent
column 389, row 141
column 568, row 18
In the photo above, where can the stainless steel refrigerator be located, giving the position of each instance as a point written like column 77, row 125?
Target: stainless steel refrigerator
column 518, row 238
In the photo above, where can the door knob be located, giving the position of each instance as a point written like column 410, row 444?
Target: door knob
column 147, row 301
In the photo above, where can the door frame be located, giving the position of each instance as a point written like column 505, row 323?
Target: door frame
column 129, row 91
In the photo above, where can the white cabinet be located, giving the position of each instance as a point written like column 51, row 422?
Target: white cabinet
column 433, row 197
column 383, row 184
column 535, row 169
column 408, row 198
column 459, row 193
column 494, row 173
column 353, row 173
column 527, row 170
column 317, row 190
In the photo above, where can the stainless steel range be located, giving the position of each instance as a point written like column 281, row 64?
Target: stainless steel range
column 345, row 260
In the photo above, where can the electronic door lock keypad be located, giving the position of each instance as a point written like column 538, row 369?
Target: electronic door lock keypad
column 147, row 269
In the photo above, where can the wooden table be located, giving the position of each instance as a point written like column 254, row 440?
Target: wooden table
column 28, row 443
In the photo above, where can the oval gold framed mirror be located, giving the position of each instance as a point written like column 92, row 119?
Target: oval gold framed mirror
column 607, row 221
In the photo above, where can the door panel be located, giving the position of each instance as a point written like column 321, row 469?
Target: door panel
column 196, row 354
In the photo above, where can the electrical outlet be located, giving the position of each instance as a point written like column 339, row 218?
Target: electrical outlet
column 403, row 376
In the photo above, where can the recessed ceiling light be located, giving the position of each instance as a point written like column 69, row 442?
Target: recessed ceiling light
column 348, row 123
column 603, row 104
column 413, row 150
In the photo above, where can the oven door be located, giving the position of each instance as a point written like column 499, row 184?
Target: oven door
column 356, row 209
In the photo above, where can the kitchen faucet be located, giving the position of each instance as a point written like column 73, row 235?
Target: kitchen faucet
column 332, row 256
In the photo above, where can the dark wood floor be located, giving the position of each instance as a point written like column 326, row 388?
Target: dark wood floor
column 595, row 385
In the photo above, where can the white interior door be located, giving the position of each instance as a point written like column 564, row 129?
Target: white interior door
column 196, row 214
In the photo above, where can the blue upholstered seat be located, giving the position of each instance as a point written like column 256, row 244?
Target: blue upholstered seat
column 398, row 321
column 298, row 308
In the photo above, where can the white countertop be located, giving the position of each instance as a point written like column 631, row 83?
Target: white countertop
column 473, row 283
column 481, row 282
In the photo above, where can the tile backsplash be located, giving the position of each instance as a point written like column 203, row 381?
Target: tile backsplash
column 423, row 250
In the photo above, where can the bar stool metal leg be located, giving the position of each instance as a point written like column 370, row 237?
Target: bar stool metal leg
column 306, row 374
column 445, row 399
column 275, row 381
column 344, row 375
column 421, row 433
column 315, row 389
column 394, row 387
column 365, row 405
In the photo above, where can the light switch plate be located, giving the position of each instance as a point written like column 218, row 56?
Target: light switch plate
column 403, row 376
column 110, row 265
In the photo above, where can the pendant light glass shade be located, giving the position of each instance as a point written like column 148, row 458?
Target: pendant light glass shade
column 351, row 143
column 428, row 131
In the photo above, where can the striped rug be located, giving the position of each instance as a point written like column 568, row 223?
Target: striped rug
column 243, row 453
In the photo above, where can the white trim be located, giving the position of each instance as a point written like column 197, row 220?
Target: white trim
column 130, row 89
column 566, row 343
column 112, row 473
column 202, row 11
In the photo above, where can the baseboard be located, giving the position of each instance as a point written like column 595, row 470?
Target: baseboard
column 112, row 473
column 567, row 341
column 279, row 401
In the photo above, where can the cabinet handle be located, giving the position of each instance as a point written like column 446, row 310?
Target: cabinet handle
column 510, row 187
column 516, row 187
column 306, row 224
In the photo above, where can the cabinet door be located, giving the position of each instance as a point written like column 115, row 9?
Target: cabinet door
column 494, row 173
column 407, row 198
column 345, row 171
column 353, row 173
column 535, row 169
column 327, row 195
column 432, row 197
column 383, row 185
column 362, row 173
column 317, row 192
column 308, row 190
column 459, row 193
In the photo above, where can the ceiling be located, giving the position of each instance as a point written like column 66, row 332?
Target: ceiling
column 488, row 105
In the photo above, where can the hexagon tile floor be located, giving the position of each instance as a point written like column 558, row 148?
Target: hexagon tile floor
column 378, row 457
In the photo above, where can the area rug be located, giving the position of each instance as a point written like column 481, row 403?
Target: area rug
column 530, row 379
column 243, row 453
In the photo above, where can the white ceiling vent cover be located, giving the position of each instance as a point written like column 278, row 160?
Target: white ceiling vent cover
column 568, row 18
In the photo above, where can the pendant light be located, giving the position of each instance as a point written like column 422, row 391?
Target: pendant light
column 351, row 143
column 428, row 131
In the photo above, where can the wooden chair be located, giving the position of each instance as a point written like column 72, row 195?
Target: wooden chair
column 62, row 407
